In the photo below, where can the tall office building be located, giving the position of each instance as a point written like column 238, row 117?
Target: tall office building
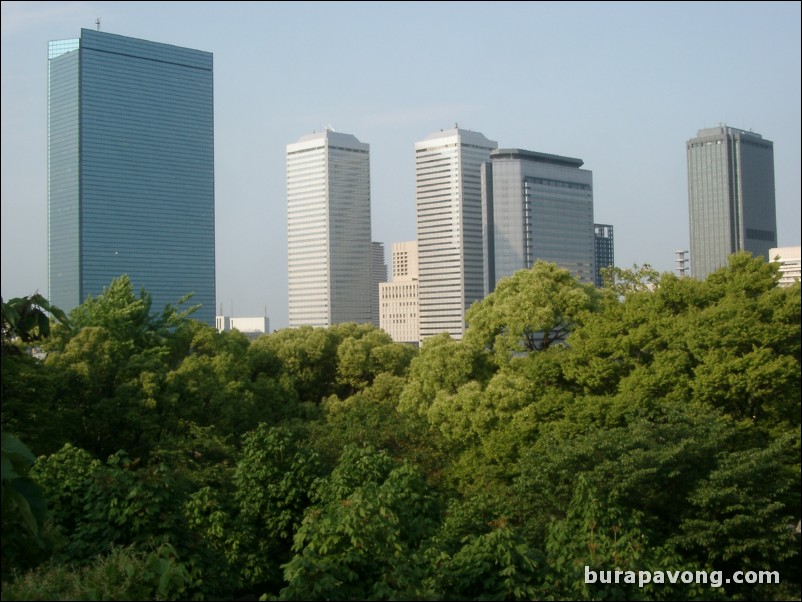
column 328, row 230
column 605, row 251
column 731, row 197
column 399, row 298
column 378, row 272
column 449, row 227
column 536, row 206
column 130, row 170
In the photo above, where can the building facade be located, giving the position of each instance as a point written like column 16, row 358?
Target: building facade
column 378, row 271
column 605, row 251
column 251, row 327
column 536, row 206
column 730, row 197
column 399, row 298
column 449, row 227
column 328, row 230
column 790, row 264
column 130, row 170
column 683, row 263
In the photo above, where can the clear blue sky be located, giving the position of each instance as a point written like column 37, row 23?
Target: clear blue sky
column 621, row 86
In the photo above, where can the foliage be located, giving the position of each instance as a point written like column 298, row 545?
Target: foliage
column 498, row 565
column 123, row 574
column 97, row 506
column 358, row 542
column 26, row 319
column 442, row 364
column 652, row 425
column 529, row 311
column 369, row 417
column 272, row 482
column 24, row 508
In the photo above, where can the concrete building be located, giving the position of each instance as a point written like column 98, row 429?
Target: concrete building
column 250, row 327
column 730, row 196
column 536, row 206
column 328, row 230
column 683, row 261
column 398, row 299
column 130, row 170
column 449, row 227
column 789, row 260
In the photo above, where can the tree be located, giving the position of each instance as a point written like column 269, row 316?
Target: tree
column 24, row 509
column 26, row 319
column 359, row 541
column 272, row 482
column 529, row 311
column 308, row 356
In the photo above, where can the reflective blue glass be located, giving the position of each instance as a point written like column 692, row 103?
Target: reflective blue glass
column 131, row 170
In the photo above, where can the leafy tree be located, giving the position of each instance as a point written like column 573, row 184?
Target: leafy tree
column 361, row 359
column 359, row 541
column 272, row 481
column 369, row 418
column 529, row 311
column 26, row 319
column 622, row 281
column 24, row 509
column 308, row 356
column 124, row 574
column 108, row 373
column 97, row 506
column 442, row 364
column 211, row 386
column 598, row 536
column 696, row 486
column 498, row 565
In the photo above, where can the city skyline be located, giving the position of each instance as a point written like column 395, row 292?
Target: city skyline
column 622, row 85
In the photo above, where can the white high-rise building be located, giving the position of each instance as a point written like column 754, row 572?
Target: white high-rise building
column 328, row 230
column 449, row 227
column 399, row 299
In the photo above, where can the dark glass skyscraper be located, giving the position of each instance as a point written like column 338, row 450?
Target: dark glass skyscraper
column 536, row 206
column 605, row 251
column 130, row 170
column 730, row 196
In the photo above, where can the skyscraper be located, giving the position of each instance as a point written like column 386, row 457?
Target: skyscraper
column 730, row 196
column 328, row 230
column 378, row 271
column 449, row 227
column 536, row 206
column 605, row 251
column 130, row 170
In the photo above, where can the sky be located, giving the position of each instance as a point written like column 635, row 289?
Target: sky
column 620, row 85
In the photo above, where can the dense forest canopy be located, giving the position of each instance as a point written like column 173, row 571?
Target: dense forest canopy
column 651, row 425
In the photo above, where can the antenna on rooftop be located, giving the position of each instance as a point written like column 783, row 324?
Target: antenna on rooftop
column 97, row 22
